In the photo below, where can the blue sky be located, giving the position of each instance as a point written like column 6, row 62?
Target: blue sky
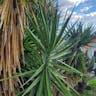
column 85, row 10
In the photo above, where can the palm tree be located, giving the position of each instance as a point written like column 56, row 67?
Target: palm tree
column 12, row 19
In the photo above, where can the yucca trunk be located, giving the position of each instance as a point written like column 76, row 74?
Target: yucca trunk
column 11, row 45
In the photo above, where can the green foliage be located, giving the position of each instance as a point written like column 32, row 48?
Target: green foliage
column 92, row 82
column 53, row 56
column 44, row 52
column 1, row 1
column 79, row 35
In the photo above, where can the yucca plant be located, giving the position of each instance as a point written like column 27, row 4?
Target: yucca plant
column 46, row 47
column 79, row 35
column 12, row 20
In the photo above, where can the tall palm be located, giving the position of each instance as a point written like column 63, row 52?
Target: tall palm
column 11, row 45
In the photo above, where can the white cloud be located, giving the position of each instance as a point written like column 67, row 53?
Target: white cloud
column 76, row 1
column 92, row 14
column 85, row 9
column 66, row 4
column 76, row 17
column 89, row 18
column 86, row 18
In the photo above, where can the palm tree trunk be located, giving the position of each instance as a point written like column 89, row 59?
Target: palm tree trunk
column 11, row 45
